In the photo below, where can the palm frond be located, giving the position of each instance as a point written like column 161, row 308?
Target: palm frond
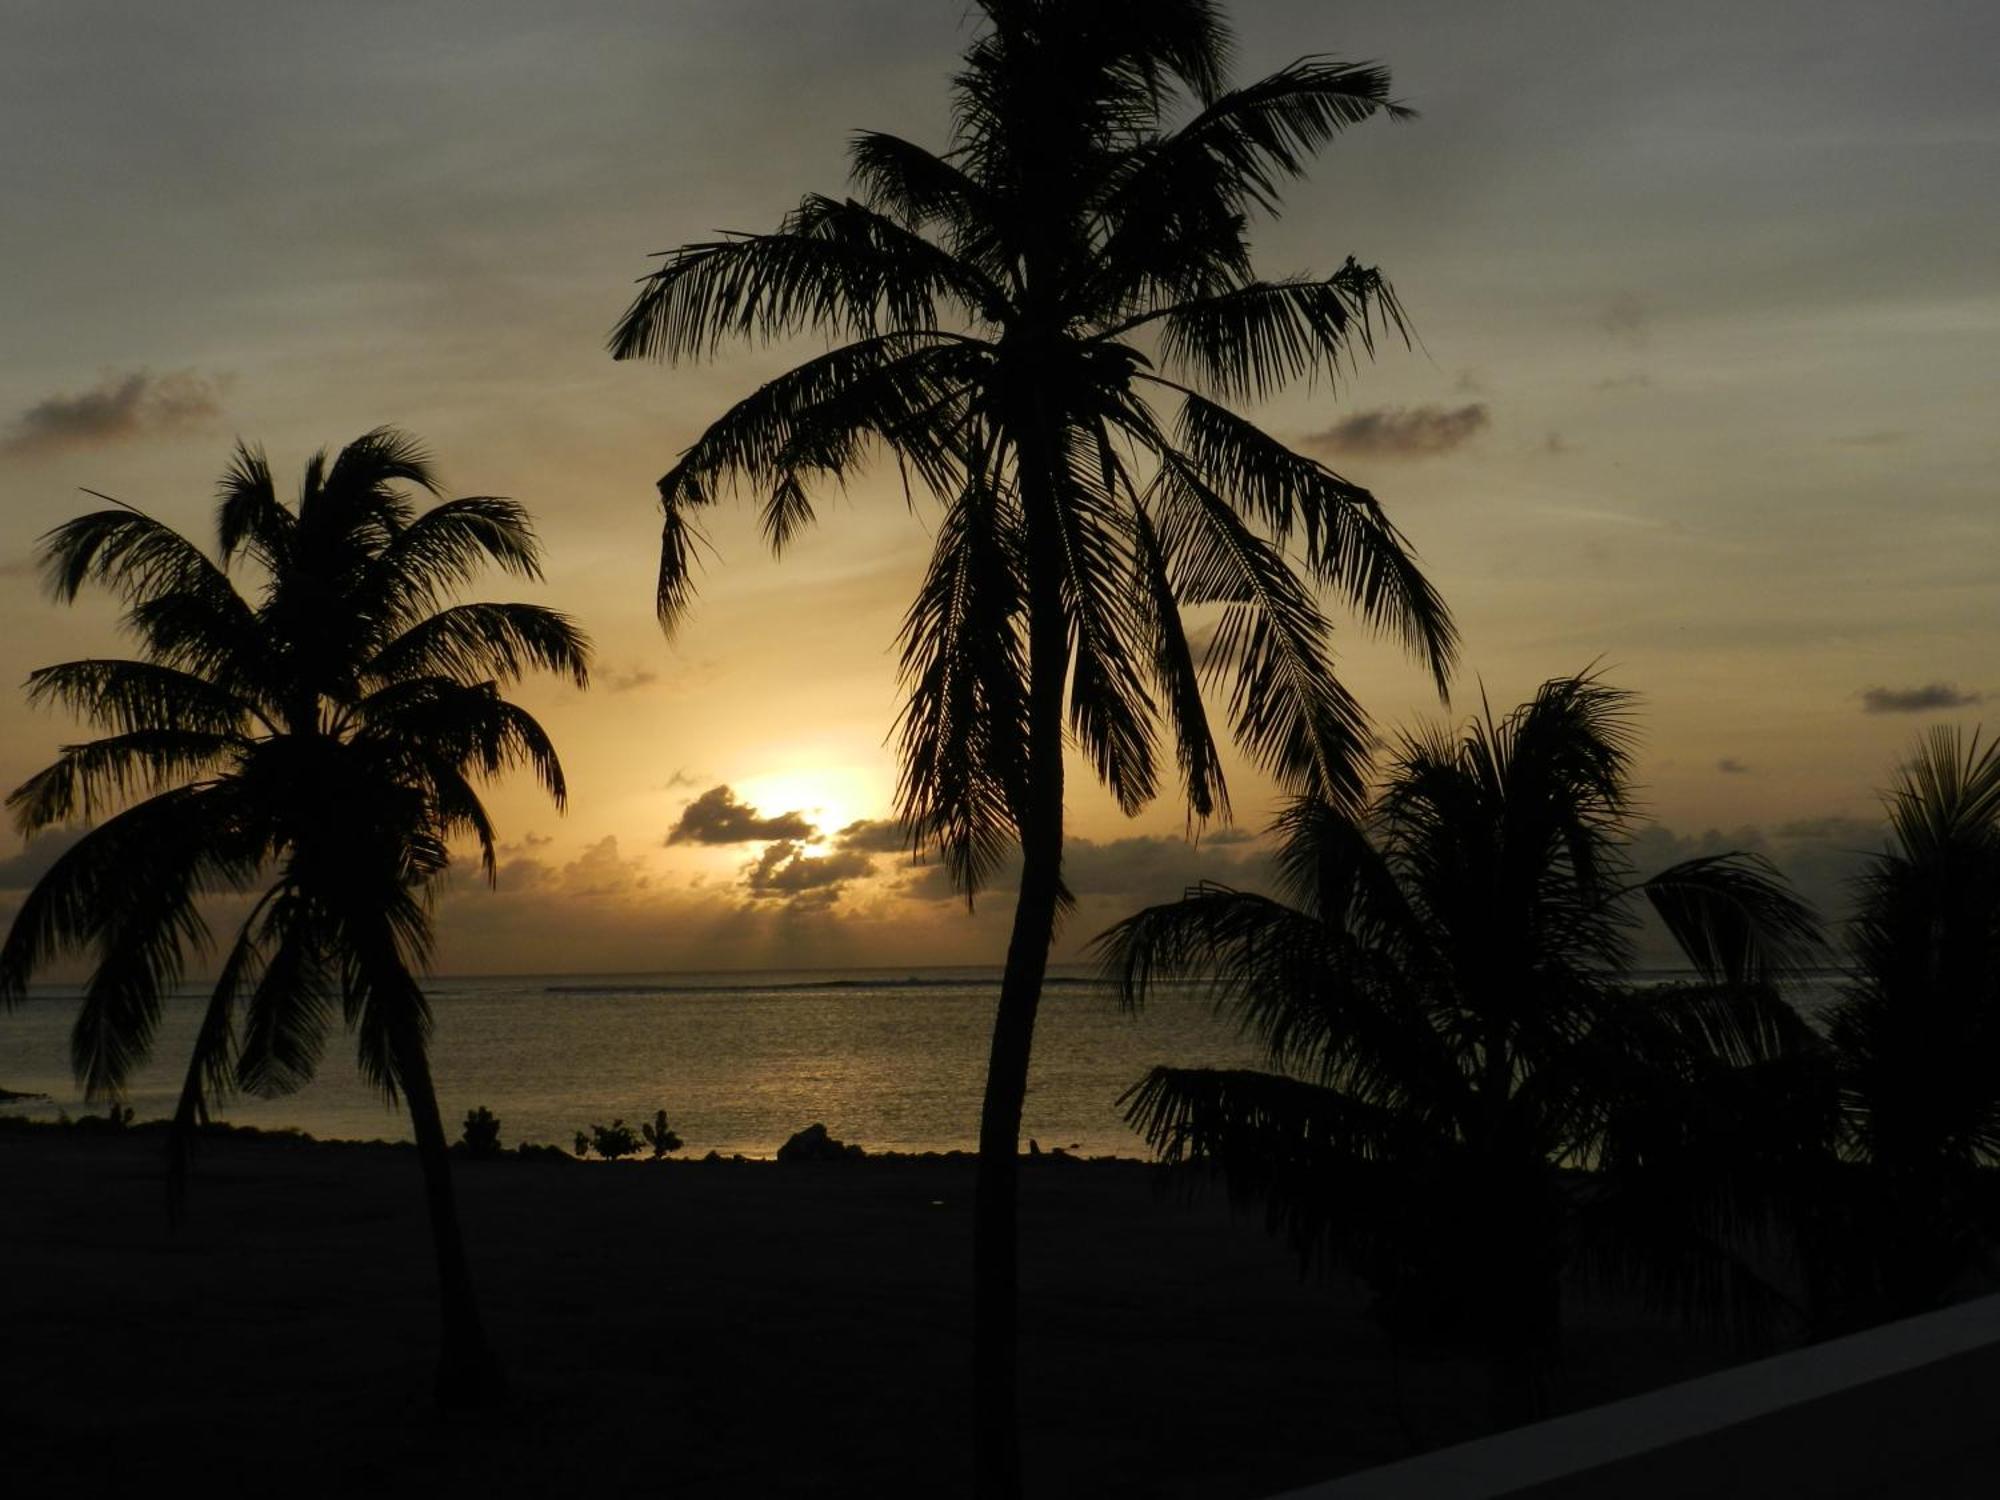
column 964, row 663
column 468, row 726
column 1175, row 670
column 1735, row 918
column 471, row 643
column 86, row 779
column 833, row 266
column 248, row 513
column 1289, row 711
column 1349, row 542
column 1252, row 341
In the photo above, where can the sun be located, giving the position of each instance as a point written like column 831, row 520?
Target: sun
column 830, row 797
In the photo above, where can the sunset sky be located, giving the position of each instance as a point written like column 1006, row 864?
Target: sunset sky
column 1709, row 306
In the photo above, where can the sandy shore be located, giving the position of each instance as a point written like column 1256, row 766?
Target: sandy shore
column 697, row 1329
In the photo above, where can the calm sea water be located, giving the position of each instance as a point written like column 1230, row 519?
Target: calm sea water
column 891, row 1059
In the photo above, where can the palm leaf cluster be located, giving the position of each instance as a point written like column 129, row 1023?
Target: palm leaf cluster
column 1041, row 324
column 313, row 743
column 1470, row 1092
column 1915, row 1038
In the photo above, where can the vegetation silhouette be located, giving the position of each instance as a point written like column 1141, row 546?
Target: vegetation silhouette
column 994, row 306
column 1472, row 1092
column 1915, row 1038
column 317, row 745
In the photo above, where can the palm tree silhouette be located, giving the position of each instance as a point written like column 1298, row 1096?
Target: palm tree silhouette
column 317, row 746
column 1009, row 316
column 1915, row 1038
column 1446, row 998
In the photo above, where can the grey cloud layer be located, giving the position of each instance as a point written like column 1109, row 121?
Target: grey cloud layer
column 1402, row 432
column 1917, row 700
column 118, row 408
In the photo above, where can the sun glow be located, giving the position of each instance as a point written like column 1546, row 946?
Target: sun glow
column 829, row 797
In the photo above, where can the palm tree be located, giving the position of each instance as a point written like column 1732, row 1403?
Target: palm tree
column 1041, row 323
column 1916, row 1036
column 315, row 744
column 1446, row 999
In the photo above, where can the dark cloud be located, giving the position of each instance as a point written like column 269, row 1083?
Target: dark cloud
column 118, row 408
column 29, row 863
column 716, row 817
column 681, row 777
column 786, row 872
column 1917, row 700
column 873, row 836
column 1402, row 432
column 1730, row 766
column 626, row 682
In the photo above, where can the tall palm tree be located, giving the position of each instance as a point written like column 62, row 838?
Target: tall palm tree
column 1041, row 323
column 1916, row 1036
column 316, row 743
column 1445, row 996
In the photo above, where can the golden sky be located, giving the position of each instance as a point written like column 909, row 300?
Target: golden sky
column 1708, row 323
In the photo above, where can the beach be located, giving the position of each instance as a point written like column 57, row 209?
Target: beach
column 689, row 1328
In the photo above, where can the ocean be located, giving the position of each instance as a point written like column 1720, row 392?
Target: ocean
column 891, row 1059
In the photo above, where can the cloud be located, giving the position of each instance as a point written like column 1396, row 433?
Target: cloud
column 1403, row 432
column 599, row 873
column 626, row 682
column 118, row 408
column 873, row 836
column 1628, row 320
column 786, row 872
column 1635, row 382
column 1917, row 700
column 681, row 777
column 716, row 817
column 1730, row 766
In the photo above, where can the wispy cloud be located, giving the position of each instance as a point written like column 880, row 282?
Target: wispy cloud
column 1730, row 766
column 119, row 408
column 1917, row 700
column 627, row 682
column 1402, row 432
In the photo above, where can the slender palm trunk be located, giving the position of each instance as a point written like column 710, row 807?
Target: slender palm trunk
column 467, row 1375
column 996, row 1238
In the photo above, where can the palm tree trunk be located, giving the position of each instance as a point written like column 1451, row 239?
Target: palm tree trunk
column 996, row 1238
column 468, row 1375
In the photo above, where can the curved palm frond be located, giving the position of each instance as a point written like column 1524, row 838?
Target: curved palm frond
column 1349, row 543
column 1290, row 713
column 1735, row 918
column 963, row 663
column 474, row 642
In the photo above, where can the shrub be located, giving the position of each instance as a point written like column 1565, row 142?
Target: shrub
column 660, row 1136
column 482, row 1132
column 614, row 1140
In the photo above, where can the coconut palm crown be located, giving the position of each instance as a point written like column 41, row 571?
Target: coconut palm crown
column 314, row 745
column 1443, row 987
column 1043, row 325
column 1915, row 1037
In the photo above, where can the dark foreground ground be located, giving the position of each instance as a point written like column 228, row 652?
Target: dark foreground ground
column 688, row 1329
